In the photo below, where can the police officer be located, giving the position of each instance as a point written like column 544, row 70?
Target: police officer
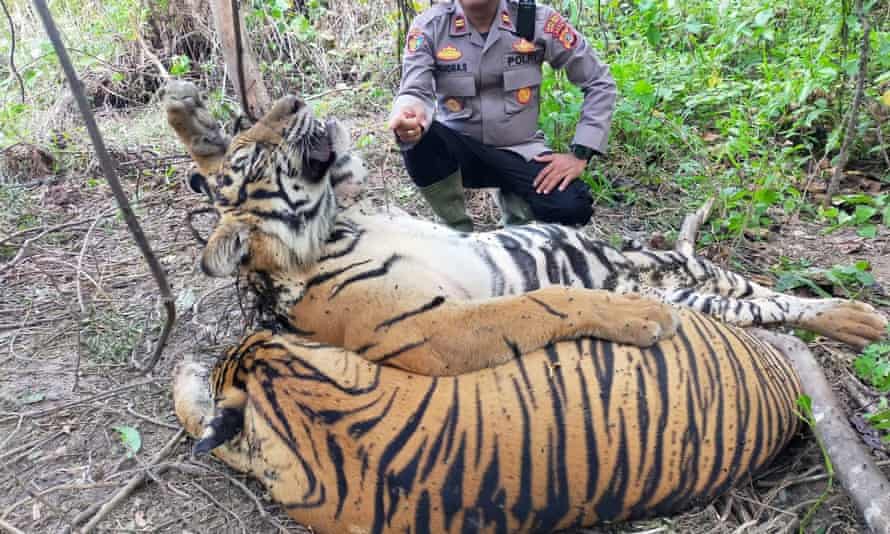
column 467, row 111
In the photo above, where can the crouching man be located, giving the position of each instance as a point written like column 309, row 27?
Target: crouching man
column 467, row 110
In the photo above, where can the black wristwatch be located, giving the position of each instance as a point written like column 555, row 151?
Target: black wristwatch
column 583, row 152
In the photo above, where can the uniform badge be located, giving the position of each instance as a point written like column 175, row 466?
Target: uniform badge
column 460, row 23
column 568, row 38
column 505, row 19
column 524, row 95
column 551, row 24
column 454, row 105
column 523, row 47
column 413, row 41
column 561, row 31
column 449, row 53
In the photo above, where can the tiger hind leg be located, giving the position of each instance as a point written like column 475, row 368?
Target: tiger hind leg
column 854, row 323
column 699, row 284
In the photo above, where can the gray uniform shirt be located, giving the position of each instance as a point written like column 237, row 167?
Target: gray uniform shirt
column 489, row 88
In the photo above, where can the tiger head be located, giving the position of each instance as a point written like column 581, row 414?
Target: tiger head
column 276, row 185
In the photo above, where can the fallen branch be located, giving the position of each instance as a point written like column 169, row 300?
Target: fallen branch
column 131, row 486
column 691, row 224
column 854, row 109
column 6, row 527
column 866, row 485
column 111, row 176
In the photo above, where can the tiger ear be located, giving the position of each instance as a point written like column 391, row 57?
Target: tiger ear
column 226, row 248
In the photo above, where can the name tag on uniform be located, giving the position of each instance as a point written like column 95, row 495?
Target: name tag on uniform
column 513, row 60
column 451, row 67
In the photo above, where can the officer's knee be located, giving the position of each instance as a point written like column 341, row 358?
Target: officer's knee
column 576, row 213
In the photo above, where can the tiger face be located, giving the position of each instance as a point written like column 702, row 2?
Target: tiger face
column 276, row 190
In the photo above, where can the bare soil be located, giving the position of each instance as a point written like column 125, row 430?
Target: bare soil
column 82, row 293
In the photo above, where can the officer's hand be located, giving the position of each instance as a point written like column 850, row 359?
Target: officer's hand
column 408, row 123
column 560, row 171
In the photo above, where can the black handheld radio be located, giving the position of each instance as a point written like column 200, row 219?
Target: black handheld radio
column 525, row 24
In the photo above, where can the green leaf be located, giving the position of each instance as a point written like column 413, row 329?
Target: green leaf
column 863, row 214
column 130, row 438
column 886, row 216
column 869, row 231
column 33, row 398
column 767, row 196
column 805, row 403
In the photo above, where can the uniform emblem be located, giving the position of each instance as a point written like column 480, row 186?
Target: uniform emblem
column 413, row 41
column 523, row 47
column 524, row 95
column 505, row 19
column 561, row 31
column 568, row 38
column 460, row 23
column 551, row 24
column 449, row 53
column 454, row 105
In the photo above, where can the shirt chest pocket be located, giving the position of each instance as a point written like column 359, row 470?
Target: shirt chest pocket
column 455, row 92
column 521, row 89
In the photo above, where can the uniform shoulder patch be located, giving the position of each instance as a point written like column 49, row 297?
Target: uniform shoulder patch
column 561, row 30
column 414, row 40
column 449, row 53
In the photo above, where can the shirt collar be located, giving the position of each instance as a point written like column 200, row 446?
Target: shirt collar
column 461, row 26
column 459, row 23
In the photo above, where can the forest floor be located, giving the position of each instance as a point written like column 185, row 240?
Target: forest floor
column 80, row 292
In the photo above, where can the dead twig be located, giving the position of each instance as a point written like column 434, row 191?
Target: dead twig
column 691, row 224
column 153, row 58
column 99, row 396
column 190, row 468
column 131, row 486
column 219, row 505
column 12, row 66
column 854, row 109
column 190, row 223
column 9, row 528
column 111, row 176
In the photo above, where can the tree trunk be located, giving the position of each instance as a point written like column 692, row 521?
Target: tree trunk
column 254, row 96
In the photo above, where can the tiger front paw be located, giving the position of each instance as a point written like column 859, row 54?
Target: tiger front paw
column 191, row 119
column 855, row 323
column 644, row 322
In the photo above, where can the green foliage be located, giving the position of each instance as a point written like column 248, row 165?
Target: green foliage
column 850, row 279
column 867, row 212
column 131, row 439
column 880, row 419
column 109, row 337
column 732, row 99
column 180, row 65
column 873, row 365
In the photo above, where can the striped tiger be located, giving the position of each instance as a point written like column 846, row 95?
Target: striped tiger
column 390, row 287
column 577, row 433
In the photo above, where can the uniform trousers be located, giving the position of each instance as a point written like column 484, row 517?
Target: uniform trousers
column 442, row 151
